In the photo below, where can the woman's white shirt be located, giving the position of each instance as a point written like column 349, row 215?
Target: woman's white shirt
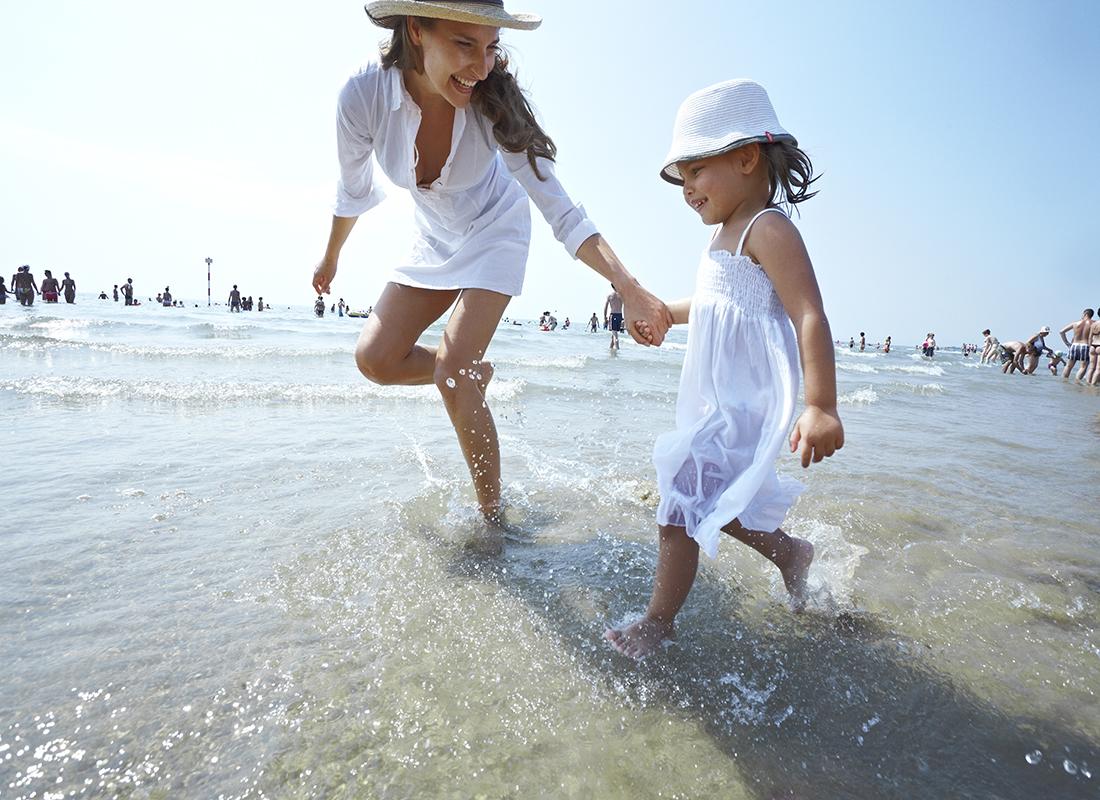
column 473, row 223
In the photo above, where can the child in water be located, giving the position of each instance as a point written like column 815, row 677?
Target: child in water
column 716, row 470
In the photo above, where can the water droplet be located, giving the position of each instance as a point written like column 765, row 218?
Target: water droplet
column 462, row 371
column 451, row 382
column 1069, row 767
column 1034, row 757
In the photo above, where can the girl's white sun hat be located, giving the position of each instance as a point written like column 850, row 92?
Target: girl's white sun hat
column 478, row 12
column 721, row 118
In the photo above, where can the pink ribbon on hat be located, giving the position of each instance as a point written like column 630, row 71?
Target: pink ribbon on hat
column 770, row 137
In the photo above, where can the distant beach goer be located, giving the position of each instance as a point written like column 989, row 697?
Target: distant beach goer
column 1092, row 377
column 116, row 292
column 1056, row 360
column 851, row 342
column 594, row 324
column 319, row 306
column 68, row 288
column 128, row 292
column 613, row 310
column 166, row 298
column 991, row 348
column 103, row 296
column 341, row 306
column 862, row 341
column 23, row 286
column 928, row 347
column 1011, row 355
column 1078, row 348
column 234, row 300
column 739, row 386
column 50, row 288
column 1033, row 349
column 886, row 345
column 260, row 304
column 447, row 121
column 3, row 292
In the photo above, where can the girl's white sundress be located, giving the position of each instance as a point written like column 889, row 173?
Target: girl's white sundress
column 738, row 390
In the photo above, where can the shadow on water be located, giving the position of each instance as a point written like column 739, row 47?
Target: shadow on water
column 814, row 705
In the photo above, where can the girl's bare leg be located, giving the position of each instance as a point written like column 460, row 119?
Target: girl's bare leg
column 461, row 376
column 677, row 563
column 793, row 556
column 387, row 352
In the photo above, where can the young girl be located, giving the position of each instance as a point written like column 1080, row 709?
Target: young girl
column 445, row 119
column 716, row 471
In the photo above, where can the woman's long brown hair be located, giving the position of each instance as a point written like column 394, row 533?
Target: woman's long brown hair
column 499, row 97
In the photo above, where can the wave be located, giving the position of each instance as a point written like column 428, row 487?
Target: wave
column 866, row 368
column 860, row 397
column 559, row 362
column 214, row 393
column 916, row 369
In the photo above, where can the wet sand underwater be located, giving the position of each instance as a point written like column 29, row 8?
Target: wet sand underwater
column 235, row 568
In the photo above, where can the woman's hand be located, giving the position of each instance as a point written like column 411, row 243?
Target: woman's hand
column 820, row 432
column 323, row 275
column 647, row 318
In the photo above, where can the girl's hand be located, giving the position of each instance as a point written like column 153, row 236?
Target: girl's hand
column 647, row 318
column 323, row 275
column 820, row 433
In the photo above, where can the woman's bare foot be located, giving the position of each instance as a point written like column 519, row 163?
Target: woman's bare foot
column 641, row 638
column 795, row 571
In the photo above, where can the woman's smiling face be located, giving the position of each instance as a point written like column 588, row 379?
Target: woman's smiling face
column 456, row 56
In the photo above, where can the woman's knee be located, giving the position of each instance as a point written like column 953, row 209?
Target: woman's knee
column 453, row 376
column 375, row 366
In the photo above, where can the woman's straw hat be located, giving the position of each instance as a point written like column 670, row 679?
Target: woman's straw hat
column 721, row 118
column 478, row 12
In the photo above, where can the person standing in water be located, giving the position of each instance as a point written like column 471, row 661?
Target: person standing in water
column 862, row 341
column 24, row 286
column 739, row 385
column 68, row 288
column 886, row 345
column 50, row 288
column 613, row 311
column 128, row 292
column 1078, row 349
column 234, row 300
column 447, row 121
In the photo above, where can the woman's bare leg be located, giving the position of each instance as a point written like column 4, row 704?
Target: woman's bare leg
column 677, row 564
column 461, row 377
column 793, row 556
column 387, row 352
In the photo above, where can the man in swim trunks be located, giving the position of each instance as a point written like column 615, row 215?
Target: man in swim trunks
column 1012, row 354
column 235, row 300
column 1079, row 347
column 614, row 305
column 128, row 291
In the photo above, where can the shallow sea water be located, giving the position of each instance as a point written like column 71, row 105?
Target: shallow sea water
column 234, row 568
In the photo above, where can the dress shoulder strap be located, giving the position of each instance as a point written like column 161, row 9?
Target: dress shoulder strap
column 745, row 235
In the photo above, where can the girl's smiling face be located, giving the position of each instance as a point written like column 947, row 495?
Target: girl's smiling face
column 716, row 187
column 456, row 56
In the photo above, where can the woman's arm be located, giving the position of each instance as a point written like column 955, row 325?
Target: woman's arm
column 638, row 304
column 325, row 270
column 775, row 243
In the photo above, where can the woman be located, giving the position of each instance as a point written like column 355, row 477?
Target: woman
column 447, row 121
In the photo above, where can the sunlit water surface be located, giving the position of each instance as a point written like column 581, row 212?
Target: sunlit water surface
column 234, row 568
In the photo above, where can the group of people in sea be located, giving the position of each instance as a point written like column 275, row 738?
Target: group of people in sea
column 341, row 309
column 24, row 288
column 1081, row 358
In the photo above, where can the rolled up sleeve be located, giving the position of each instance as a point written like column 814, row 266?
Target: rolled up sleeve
column 568, row 220
column 356, row 192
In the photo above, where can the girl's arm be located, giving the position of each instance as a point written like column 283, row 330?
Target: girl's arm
column 325, row 270
column 680, row 311
column 775, row 243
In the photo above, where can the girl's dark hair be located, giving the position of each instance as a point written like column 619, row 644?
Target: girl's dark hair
column 790, row 173
column 499, row 97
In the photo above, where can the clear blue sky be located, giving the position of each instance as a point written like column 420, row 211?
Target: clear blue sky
column 956, row 140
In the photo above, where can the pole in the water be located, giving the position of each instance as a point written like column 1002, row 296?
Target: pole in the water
column 209, row 261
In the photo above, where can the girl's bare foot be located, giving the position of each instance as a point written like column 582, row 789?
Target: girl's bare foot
column 641, row 638
column 795, row 571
